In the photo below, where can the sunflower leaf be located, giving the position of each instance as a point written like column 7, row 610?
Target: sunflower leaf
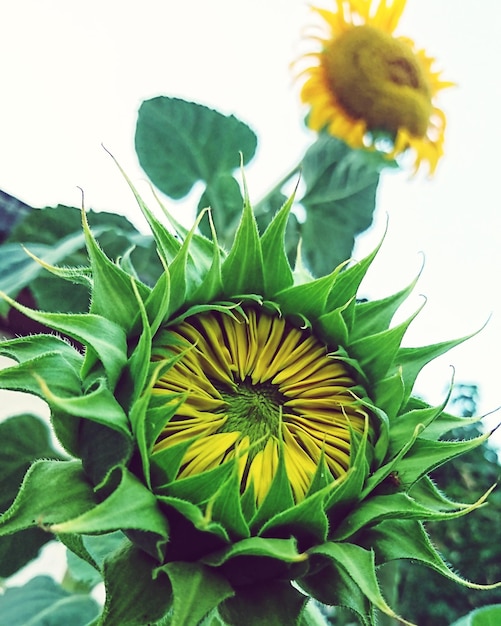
column 179, row 143
column 340, row 200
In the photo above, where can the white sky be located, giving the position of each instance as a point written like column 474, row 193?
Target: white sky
column 73, row 75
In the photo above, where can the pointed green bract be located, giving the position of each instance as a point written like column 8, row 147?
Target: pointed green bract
column 193, row 535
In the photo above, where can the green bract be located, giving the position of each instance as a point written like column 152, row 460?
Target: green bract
column 199, row 547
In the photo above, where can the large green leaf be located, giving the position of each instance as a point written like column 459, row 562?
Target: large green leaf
column 179, row 143
column 42, row 602
column 340, row 199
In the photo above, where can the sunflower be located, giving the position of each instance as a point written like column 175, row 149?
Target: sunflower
column 249, row 429
column 372, row 88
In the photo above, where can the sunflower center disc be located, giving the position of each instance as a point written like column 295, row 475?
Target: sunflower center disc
column 378, row 78
column 254, row 410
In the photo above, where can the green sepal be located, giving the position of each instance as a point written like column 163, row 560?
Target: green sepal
column 168, row 245
column 426, row 455
column 388, row 393
column 374, row 316
column 309, row 299
column 165, row 464
column 409, row 421
column 183, row 283
column 347, row 489
column 102, row 337
column 75, row 544
column 270, row 602
column 322, row 477
column 282, row 550
column 226, row 508
column 194, row 521
column 390, row 467
column 396, row 506
column 443, row 423
column 346, row 286
column 196, row 589
column 157, row 303
column 113, row 296
column 278, row 275
column 203, row 251
column 426, row 492
column 412, row 360
column 376, row 353
column 136, row 594
column 407, row 539
column 333, row 586
column 130, row 506
column 200, row 488
column 332, row 326
column 100, row 406
column 242, row 270
column 69, row 496
column 306, row 521
column 279, row 497
column 41, row 355
column 211, row 286
column 360, row 565
column 139, row 362
column 23, row 349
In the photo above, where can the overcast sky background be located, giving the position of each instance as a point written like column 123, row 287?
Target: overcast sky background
column 74, row 74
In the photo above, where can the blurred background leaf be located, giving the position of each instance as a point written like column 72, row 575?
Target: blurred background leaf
column 340, row 200
column 43, row 602
column 24, row 438
column 180, row 143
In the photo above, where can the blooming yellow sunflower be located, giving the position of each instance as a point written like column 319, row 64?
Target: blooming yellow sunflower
column 367, row 84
